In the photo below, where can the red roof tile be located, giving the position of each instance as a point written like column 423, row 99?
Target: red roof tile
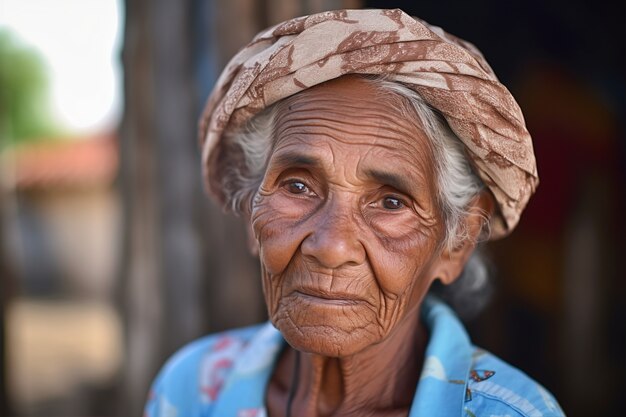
column 78, row 162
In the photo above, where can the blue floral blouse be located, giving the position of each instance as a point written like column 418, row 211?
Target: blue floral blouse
column 226, row 375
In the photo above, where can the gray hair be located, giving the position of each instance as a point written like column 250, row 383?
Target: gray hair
column 457, row 182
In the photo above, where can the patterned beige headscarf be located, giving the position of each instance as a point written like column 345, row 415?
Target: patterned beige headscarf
column 450, row 74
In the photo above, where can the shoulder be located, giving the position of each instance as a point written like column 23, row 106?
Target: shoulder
column 499, row 389
column 193, row 376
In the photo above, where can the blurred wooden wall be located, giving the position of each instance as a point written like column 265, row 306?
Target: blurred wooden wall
column 185, row 271
column 6, row 281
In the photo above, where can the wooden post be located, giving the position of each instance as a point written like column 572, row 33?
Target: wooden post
column 186, row 270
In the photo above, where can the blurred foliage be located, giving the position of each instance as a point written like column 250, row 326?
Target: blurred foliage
column 25, row 113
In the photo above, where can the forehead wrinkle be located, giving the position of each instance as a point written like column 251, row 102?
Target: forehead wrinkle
column 377, row 108
column 406, row 153
column 340, row 131
column 376, row 119
column 339, row 136
column 367, row 110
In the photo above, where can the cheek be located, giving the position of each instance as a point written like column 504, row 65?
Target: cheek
column 401, row 262
column 276, row 234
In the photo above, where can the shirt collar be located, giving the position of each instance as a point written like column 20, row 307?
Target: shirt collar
column 448, row 358
column 440, row 392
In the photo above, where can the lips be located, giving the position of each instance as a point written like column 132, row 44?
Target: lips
column 328, row 296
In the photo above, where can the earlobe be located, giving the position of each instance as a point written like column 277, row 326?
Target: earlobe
column 451, row 263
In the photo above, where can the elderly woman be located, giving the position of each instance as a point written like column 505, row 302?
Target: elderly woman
column 369, row 152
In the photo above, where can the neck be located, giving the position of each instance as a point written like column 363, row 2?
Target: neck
column 381, row 379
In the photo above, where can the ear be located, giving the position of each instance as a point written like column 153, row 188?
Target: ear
column 253, row 244
column 453, row 259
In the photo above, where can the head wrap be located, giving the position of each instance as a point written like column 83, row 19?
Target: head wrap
column 450, row 74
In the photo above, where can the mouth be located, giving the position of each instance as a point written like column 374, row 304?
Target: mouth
column 324, row 297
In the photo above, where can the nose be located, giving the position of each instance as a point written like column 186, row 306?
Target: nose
column 334, row 240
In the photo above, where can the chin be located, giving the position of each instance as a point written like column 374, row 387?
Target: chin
column 325, row 342
column 327, row 331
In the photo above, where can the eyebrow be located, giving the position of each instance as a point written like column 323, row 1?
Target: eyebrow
column 396, row 181
column 295, row 159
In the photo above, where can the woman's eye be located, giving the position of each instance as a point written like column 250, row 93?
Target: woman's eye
column 392, row 203
column 297, row 187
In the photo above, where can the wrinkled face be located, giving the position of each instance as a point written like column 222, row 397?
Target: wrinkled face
column 346, row 218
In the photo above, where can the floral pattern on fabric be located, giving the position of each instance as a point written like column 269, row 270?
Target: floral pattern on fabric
column 457, row 378
column 216, row 366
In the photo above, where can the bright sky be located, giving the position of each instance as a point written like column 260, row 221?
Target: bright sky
column 81, row 41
